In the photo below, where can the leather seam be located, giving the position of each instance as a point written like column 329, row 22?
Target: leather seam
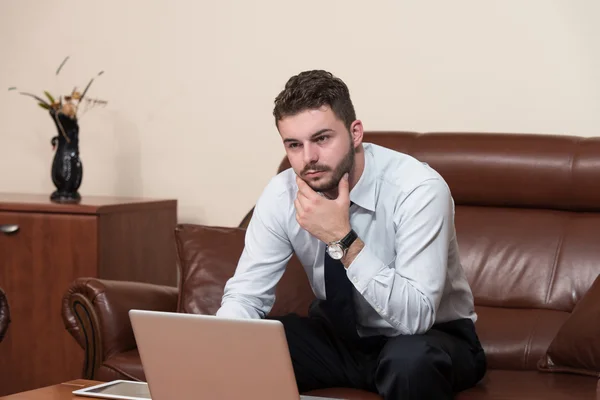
column 181, row 264
column 572, row 158
column 529, row 340
column 87, row 342
column 555, row 262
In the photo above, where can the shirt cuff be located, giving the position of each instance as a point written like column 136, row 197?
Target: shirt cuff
column 364, row 268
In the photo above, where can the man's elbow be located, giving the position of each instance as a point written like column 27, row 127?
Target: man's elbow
column 240, row 307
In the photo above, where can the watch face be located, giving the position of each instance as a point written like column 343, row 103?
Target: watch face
column 335, row 251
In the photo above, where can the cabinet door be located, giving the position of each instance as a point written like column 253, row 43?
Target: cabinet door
column 38, row 262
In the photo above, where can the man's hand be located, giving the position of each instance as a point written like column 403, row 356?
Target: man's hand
column 325, row 219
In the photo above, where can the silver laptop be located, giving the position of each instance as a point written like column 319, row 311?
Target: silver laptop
column 187, row 356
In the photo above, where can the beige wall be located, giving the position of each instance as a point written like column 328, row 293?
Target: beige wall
column 190, row 84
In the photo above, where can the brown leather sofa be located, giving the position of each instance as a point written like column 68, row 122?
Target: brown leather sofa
column 4, row 314
column 528, row 226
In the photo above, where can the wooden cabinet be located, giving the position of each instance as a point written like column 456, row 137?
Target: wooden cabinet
column 44, row 247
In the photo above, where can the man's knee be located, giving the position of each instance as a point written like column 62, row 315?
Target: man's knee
column 414, row 360
column 288, row 320
column 415, row 369
column 299, row 331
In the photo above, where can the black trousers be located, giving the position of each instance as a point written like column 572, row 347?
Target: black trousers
column 435, row 365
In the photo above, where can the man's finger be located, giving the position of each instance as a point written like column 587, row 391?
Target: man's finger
column 344, row 189
column 298, row 205
column 304, row 189
column 303, row 194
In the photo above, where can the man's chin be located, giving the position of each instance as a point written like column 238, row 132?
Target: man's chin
column 322, row 186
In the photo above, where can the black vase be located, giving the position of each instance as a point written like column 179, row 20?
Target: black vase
column 67, row 170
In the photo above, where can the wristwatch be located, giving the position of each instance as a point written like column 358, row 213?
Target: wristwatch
column 338, row 249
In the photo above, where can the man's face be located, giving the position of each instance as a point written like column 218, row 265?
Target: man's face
column 318, row 146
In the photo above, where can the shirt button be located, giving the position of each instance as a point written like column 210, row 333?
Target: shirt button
column 355, row 280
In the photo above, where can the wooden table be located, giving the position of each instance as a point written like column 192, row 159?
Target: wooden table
column 62, row 391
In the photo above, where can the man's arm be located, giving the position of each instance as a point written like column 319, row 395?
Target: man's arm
column 250, row 293
column 407, row 293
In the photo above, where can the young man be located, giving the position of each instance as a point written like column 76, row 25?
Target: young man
column 374, row 229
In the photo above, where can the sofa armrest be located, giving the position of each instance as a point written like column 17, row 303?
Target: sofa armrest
column 96, row 314
column 4, row 314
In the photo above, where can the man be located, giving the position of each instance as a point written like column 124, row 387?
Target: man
column 374, row 229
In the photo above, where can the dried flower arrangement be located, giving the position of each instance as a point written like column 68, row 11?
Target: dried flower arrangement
column 68, row 105
column 67, row 168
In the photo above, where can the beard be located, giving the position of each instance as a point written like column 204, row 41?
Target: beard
column 325, row 184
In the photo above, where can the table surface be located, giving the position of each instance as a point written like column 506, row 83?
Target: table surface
column 88, row 205
column 62, row 391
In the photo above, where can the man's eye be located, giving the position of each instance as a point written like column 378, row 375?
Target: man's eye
column 293, row 145
column 322, row 138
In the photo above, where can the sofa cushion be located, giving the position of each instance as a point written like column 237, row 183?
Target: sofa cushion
column 516, row 338
column 576, row 346
column 502, row 384
column 344, row 393
column 531, row 385
column 207, row 257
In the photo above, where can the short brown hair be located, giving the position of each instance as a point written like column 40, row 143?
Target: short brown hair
column 311, row 90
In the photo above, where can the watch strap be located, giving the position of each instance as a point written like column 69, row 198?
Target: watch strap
column 347, row 240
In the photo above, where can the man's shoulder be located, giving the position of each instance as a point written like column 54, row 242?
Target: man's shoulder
column 275, row 204
column 282, row 185
column 400, row 170
column 407, row 184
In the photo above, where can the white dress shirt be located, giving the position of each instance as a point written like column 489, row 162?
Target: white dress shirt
column 407, row 277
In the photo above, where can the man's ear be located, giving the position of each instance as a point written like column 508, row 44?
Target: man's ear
column 356, row 132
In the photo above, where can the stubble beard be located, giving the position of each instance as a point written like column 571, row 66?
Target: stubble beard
column 332, row 183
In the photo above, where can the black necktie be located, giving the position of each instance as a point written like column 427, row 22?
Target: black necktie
column 340, row 302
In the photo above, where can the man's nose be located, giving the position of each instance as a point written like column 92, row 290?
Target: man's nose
column 310, row 154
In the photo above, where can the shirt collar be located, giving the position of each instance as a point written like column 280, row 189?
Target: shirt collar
column 363, row 193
